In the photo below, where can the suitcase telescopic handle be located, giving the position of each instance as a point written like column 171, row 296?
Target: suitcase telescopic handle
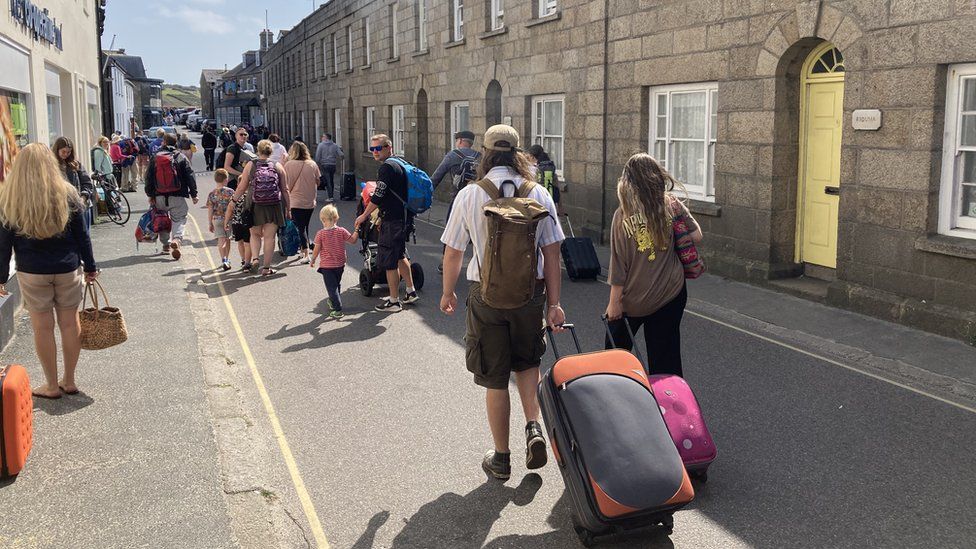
column 552, row 339
column 633, row 341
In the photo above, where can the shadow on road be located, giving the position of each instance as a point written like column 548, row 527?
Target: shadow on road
column 357, row 326
column 464, row 521
column 64, row 405
column 369, row 536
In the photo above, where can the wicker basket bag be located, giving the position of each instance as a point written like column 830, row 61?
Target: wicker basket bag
column 101, row 327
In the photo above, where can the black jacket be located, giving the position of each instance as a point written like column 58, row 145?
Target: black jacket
column 188, row 183
column 80, row 180
column 209, row 141
column 57, row 255
column 391, row 191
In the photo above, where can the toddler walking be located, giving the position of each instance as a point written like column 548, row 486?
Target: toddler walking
column 330, row 251
column 217, row 202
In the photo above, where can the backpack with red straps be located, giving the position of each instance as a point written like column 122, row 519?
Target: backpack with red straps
column 167, row 180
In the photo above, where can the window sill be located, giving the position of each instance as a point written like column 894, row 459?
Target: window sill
column 395, row 59
column 947, row 245
column 421, row 53
column 701, row 207
column 543, row 20
column 349, row 71
column 454, row 44
column 365, row 67
column 493, row 33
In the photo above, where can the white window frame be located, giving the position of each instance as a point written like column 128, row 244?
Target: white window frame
column 349, row 47
column 538, row 125
column 399, row 122
column 497, row 15
column 335, row 53
column 950, row 221
column 394, row 31
column 456, row 106
column 457, row 33
column 661, row 125
column 547, row 7
column 366, row 40
column 337, row 130
column 318, row 127
column 325, row 58
column 370, row 125
column 421, row 25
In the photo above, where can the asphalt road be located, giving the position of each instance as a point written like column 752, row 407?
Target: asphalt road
column 388, row 429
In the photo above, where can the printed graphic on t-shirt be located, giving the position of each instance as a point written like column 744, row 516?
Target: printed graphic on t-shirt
column 218, row 200
column 635, row 227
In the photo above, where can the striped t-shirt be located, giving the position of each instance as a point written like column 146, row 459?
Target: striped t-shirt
column 469, row 224
column 332, row 247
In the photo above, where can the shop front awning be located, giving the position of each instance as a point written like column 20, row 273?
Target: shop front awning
column 239, row 102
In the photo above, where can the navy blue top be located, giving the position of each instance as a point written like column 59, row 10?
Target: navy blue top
column 61, row 254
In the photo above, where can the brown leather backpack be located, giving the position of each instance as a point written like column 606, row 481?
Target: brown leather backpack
column 508, row 273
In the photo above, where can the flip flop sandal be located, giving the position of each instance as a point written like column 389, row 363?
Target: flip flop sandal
column 38, row 395
column 67, row 392
column 268, row 271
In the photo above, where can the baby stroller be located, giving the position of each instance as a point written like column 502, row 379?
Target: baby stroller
column 370, row 276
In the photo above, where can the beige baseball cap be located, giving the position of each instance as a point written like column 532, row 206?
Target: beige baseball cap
column 501, row 137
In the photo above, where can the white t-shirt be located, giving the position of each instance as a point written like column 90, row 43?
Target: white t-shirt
column 468, row 223
column 278, row 153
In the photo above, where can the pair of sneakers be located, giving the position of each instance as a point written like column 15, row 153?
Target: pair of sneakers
column 499, row 465
column 389, row 306
column 333, row 313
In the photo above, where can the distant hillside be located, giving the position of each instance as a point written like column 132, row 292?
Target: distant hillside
column 176, row 96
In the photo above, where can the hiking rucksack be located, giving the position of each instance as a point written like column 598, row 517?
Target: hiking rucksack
column 467, row 171
column 167, row 181
column 420, row 189
column 510, row 259
column 161, row 221
column 129, row 147
column 267, row 184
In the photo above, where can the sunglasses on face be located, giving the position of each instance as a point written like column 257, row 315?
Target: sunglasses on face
column 242, row 135
column 377, row 148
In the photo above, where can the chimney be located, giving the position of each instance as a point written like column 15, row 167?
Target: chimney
column 267, row 40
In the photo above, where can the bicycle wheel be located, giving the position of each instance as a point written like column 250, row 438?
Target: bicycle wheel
column 118, row 207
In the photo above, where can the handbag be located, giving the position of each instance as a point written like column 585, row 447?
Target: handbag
column 101, row 327
column 691, row 262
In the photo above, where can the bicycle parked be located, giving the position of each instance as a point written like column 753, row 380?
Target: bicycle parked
column 116, row 204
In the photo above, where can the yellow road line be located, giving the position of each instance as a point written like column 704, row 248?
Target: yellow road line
column 296, row 476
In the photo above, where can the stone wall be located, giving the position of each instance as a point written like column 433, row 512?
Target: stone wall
column 896, row 54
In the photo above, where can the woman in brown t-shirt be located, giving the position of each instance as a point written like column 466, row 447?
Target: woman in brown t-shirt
column 647, row 283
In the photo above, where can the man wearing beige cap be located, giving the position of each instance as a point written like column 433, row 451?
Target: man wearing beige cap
column 502, row 340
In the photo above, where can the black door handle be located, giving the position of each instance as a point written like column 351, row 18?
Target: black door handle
column 835, row 191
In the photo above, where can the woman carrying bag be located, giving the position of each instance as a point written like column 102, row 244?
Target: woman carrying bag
column 42, row 224
column 647, row 277
column 72, row 172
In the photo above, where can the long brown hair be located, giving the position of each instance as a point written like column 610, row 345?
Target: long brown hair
column 645, row 190
column 70, row 162
column 35, row 200
column 516, row 160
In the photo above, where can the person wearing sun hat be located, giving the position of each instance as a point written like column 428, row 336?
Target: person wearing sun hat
column 502, row 341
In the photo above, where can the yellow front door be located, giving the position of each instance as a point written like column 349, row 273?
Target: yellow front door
column 819, row 187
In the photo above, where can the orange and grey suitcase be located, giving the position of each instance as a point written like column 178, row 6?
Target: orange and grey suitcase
column 621, row 468
column 16, row 419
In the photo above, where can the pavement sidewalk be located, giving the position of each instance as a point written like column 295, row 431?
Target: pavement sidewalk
column 132, row 461
column 943, row 367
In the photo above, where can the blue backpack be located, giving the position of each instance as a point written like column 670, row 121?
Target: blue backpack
column 288, row 239
column 420, row 189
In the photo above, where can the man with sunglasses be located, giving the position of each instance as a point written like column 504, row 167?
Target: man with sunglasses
column 236, row 156
column 395, row 226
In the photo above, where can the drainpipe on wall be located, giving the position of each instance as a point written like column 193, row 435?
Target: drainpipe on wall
column 606, row 84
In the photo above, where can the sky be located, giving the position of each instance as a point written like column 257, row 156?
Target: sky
column 198, row 34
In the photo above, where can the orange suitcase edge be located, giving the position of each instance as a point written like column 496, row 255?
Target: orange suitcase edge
column 16, row 419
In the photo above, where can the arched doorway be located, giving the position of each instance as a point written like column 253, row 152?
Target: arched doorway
column 422, row 141
column 821, row 127
column 493, row 104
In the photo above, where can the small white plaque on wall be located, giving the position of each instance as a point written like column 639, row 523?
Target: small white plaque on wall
column 866, row 119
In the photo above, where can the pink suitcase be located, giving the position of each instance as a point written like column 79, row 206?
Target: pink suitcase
column 685, row 423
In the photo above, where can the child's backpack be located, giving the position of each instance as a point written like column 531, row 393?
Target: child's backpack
column 167, row 182
column 144, row 229
column 510, row 258
column 467, row 171
column 267, row 184
column 161, row 221
column 420, row 189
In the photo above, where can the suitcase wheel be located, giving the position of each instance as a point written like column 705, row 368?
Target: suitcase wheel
column 667, row 525
column 700, row 475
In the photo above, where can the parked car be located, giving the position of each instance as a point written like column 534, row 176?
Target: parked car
column 151, row 132
column 191, row 119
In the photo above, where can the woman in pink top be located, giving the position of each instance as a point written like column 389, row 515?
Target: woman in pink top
column 302, row 180
column 115, row 151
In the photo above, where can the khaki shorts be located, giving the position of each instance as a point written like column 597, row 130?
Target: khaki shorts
column 43, row 293
column 501, row 341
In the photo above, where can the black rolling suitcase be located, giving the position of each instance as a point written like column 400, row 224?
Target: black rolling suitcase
column 348, row 190
column 579, row 256
column 621, row 468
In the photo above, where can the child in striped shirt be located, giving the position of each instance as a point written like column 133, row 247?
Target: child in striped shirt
column 330, row 251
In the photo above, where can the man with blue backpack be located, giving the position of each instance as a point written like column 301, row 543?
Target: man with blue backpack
column 402, row 191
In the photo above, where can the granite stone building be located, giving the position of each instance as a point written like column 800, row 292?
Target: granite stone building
column 142, row 96
column 208, row 90
column 827, row 147
column 238, row 91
